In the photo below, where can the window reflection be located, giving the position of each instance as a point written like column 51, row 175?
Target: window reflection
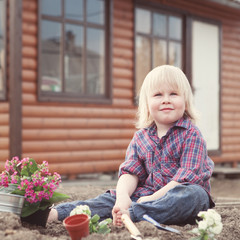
column 51, row 7
column 143, row 21
column 175, row 28
column 95, row 11
column 143, row 59
column 160, row 25
column 175, row 54
column 74, row 9
column 159, row 52
column 50, row 61
column 95, row 61
column 73, row 60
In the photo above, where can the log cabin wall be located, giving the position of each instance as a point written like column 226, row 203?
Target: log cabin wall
column 85, row 138
column 79, row 138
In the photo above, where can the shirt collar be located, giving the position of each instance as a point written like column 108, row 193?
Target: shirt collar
column 182, row 122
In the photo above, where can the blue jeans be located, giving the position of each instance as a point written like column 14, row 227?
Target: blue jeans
column 179, row 205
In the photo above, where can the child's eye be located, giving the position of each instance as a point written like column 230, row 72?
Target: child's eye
column 157, row 94
column 173, row 94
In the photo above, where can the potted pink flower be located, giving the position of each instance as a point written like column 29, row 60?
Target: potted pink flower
column 33, row 181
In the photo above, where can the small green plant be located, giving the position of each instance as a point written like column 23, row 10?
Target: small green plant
column 94, row 225
column 210, row 226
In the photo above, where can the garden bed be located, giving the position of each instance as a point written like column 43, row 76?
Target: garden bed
column 226, row 193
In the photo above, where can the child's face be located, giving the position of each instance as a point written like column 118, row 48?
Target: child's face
column 166, row 106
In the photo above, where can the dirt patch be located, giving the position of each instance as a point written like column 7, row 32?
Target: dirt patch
column 226, row 193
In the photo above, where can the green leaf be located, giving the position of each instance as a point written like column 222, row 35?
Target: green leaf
column 29, row 169
column 95, row 218
column 57, row 197
column 29, row 209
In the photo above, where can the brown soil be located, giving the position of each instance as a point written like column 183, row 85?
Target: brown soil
column 226, row 193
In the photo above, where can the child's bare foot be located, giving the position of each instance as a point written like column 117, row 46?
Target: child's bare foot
column 53, row 215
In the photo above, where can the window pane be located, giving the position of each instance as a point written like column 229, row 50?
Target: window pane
column 95, row 61
column 159, row 52
column 143, row 21
column 50, row 57
column 175, row 54
column 2, row 44
column 159, row 25
column 95, row 11
column 74, row 9
column 51, row 7
column 73, row 59
column 143, row 60
column 175, row 28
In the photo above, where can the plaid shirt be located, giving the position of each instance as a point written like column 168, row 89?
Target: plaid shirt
column 180, row 155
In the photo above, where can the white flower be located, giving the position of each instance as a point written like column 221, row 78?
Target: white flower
column 216, row 229
column 81, row 209
column 202, row 225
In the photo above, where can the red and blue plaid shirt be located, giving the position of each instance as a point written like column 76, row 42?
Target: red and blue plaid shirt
column 180, row 155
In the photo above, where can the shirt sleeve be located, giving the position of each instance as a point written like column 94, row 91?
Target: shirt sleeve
column 133, row 164
column 195, row 165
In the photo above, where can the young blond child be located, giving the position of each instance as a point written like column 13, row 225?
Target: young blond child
column 166, row 172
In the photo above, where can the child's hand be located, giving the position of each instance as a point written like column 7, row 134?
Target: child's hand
column 145, row 199
column 121, row 206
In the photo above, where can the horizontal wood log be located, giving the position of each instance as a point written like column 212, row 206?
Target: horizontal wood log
column 29, row 40
column 73, row 145
column 29, row 63
column 29, row 28
column 231, row 108
column 122, row 93
column 4, row 119
column 4, row 131
column 231, row 140
column 78, row 112
column 85, row 167
column 4, row 143
column 123, row 33
column 233, row 148
column 230, row 124
column 29, row 98
column 231, row 116
column 122, row 102
column 122, row 83
column 230, row 100
column 231, row 132
column 4, row 107
column 122, row 24
column 119, row 62
column 29, row 5
column 123, row 53
column 65, row 123
column 29, row 52
column 123, row 43
column 126, row 15
column 29, row 87
column 29, row 76
column 122, row 73
column 69, row 134
column 78, row 156
column 29, row 16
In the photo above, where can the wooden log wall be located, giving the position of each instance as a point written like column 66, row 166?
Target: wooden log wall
column 77, row 138
column 82, row 138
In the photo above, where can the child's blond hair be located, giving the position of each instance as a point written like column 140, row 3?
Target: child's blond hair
column 169, row 75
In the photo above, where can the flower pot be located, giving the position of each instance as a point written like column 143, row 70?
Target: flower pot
column 77, row 226
column 38, row 218
column 11, row 203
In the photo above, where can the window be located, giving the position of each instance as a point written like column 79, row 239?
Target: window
column 2, row 50
column 158, row 41
column 164, row 36
column 74, row 50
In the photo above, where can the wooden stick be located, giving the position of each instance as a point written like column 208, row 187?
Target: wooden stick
column 131, row 227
